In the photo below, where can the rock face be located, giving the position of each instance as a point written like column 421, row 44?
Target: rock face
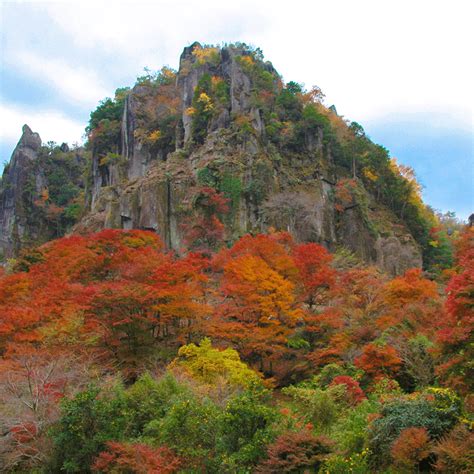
column 39, row 193
column 17, row 186
column 211, row 125
column 273, row 189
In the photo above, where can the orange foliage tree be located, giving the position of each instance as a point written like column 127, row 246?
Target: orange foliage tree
column 118, row 292
column 258, row 307
column 410, row 448
column 379, row 361
column 347, row 324
column 456, row 329
column 313, row 262
column 136, row 457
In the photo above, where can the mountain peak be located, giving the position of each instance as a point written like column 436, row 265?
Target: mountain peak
column 29, row 139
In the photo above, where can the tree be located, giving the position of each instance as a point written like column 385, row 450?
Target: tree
column 454, row 451
column 215, row 367
column 32, row 384
column 118, row 292
column 398, row 414
column 313, row 263
column 455, row 333
column 122, row 316
column 413, row 305
column 296, row 452
column 123, row 458
column 258, row 309
column 87, row 422
column 245, row 427
column 379, row 361
column 149, row 399
column 189, row 427
column 317, row 406
column 354, row 394
column 410, row 448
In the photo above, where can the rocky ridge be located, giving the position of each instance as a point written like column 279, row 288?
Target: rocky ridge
column 210, row 126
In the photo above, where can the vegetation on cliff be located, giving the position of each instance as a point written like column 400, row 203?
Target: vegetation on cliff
column 253, row 302
column 287, row 123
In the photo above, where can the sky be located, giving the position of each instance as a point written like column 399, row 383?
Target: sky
column 402, row 69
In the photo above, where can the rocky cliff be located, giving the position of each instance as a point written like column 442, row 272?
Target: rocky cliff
column 226, row 122
column 39, row 193
column 15, row 190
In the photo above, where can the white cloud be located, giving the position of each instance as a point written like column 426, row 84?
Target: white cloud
column 371, row 58
column 52, row 125
column 76, row 84
column 153, row 33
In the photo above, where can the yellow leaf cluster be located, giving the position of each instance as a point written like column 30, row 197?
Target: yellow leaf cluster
column 247, row 60
column 370, row 175
column 206, row 101
column 208, row 364
column 205, row 55
column 154, row 136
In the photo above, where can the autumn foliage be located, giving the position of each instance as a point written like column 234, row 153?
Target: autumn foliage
column 456, row 331
column 92, row 321
column 410, row 448
column 296, row 452
column 137, row 458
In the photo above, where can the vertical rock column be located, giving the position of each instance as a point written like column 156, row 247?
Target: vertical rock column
column 17, row 176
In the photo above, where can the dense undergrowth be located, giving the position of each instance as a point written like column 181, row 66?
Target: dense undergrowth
column 268, row 356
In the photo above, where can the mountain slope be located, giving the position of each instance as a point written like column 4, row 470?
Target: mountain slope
column 226, row 125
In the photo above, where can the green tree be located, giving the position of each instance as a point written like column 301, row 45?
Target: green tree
column 245, row 429
column 88, row 421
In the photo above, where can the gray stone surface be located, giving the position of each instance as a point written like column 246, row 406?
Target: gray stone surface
column 16, row 176
column 155, row 192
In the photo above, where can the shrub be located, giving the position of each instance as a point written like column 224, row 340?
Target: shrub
column 350, row 431
column 355, row 464
column 328, row 373
column 149, row 399
column 296, row 452
column 455, row 451
column 88, row 421
column 384, row 389
column 211, row 366
column 189, row 427
column 402, row 413
column 124, row 458
column 245, row 429
column 317, row 406
column 410, row 448
column 353, row 393
column 379, row 361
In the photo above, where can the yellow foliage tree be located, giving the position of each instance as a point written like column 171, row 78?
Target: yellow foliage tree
column 210, row 365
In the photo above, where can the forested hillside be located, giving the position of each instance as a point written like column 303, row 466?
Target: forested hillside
column 229, row 277
column 268, row 356
column 224, row 123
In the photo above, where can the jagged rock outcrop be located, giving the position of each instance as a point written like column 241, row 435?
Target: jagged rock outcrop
column 39, row 193
column 285, row 190
column 289, row 190
column 224, row 121
column 18, row 185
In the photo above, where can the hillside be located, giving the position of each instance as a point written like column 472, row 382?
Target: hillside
column 225, row 121
column 228, row 277
column 315, row 364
